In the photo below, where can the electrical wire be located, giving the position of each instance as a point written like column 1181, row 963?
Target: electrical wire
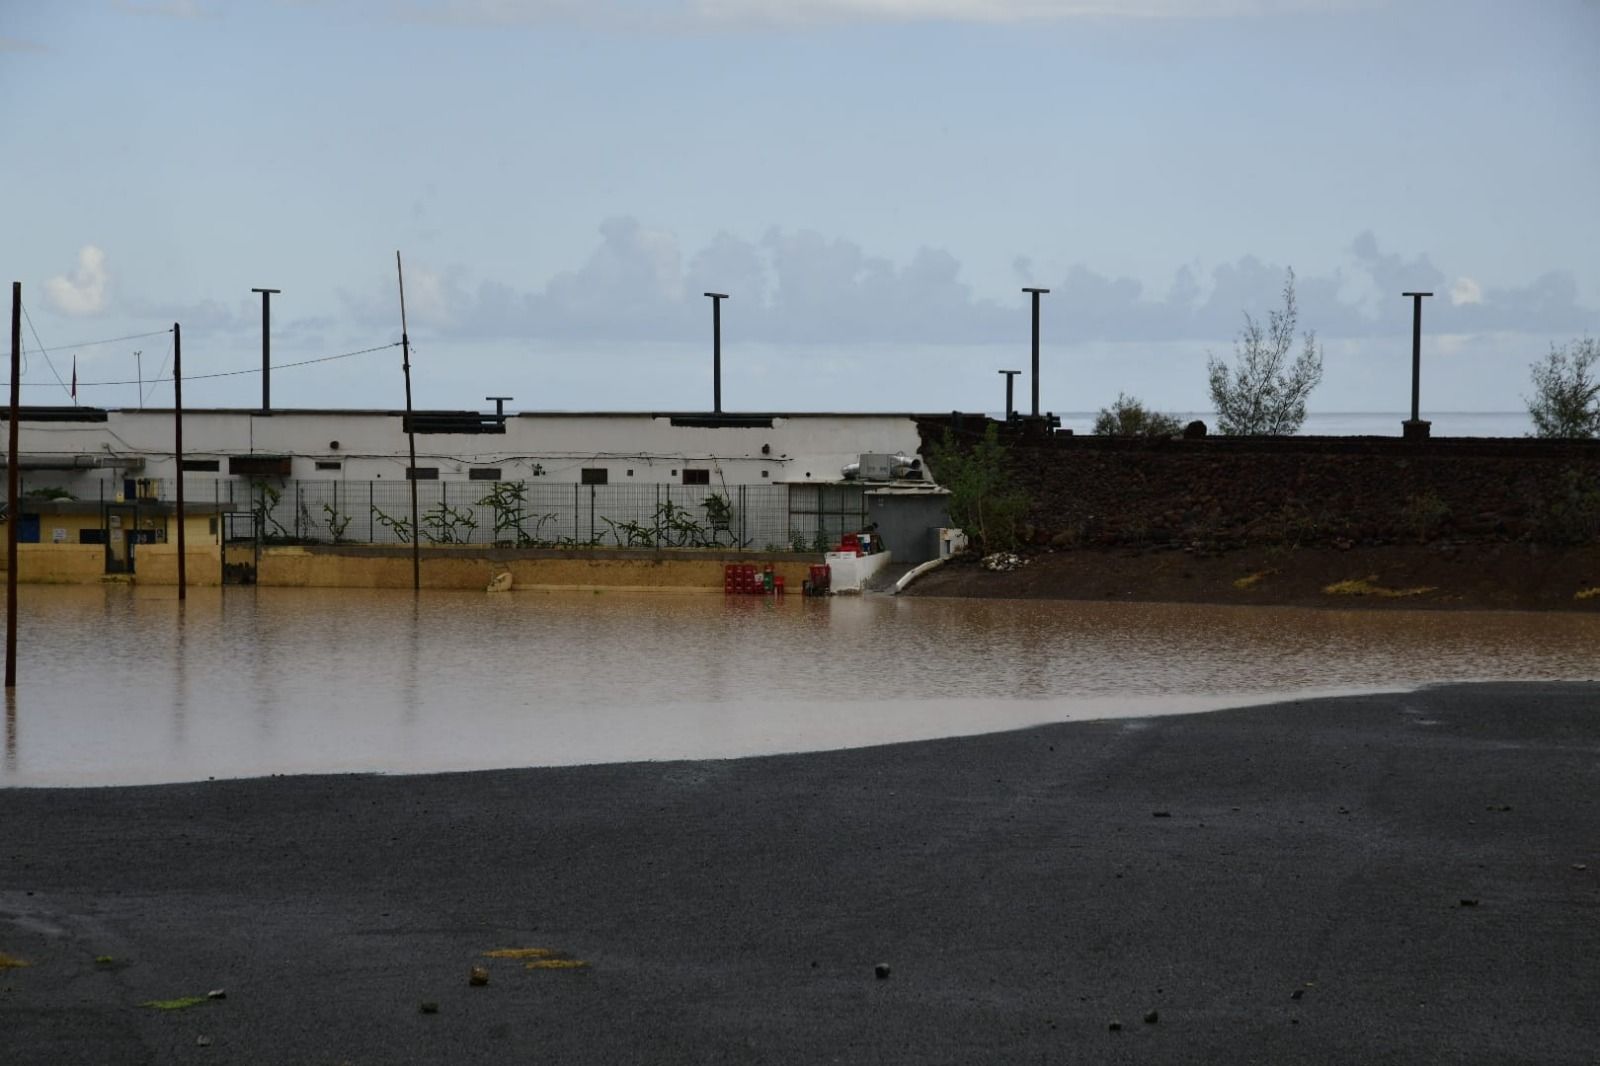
column 90, row 344
column 145, row 395
column 43, row 351
column 230, row 373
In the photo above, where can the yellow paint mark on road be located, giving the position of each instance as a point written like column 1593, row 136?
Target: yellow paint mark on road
column 556, row 964
column 181, row 1003
column 1250, row 581
column 1365, row 586
column 11, row 962
column 519, row 953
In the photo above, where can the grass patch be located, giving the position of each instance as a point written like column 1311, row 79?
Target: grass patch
column 1250, row 581
column 181, row 1003
column 556, row 964
column 11, row 962
column 519, row 953
column 1365, row 586
column 104, row 960
column 1587, row 594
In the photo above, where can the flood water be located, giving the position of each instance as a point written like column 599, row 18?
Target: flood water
column 117, row 685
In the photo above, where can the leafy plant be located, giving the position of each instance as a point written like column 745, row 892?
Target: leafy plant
column 1263, row 393
column 1566, row 391
column 448, row 525
column 400, row 527
column 1571, row 514
column 508, row 502
column 49, row 494
column 336, row 522
column 264, row 497
column 1127, row 417
column 1423, row 514
column 984, row 500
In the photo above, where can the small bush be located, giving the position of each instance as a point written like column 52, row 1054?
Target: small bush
column 1566, row 391
column 1127, row 417
column 1423, row 514
column 983, row 499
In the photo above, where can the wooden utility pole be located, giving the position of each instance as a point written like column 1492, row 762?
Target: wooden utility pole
column 12, row 515
column 411, row 432
column 177, row 403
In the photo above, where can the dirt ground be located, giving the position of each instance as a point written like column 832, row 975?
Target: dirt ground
column 1495, row 576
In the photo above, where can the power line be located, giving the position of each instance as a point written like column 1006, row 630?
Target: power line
column 90, row 344
column 42, row 350
column 231, row 373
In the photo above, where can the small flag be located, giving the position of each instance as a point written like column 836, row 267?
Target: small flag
column 74, row 379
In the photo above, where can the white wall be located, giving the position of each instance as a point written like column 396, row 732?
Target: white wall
column 372, row 445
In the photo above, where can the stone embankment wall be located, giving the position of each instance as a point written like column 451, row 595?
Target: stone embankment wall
column 1220, row 493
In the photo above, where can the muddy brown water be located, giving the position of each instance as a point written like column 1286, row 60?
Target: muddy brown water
column 117, row 685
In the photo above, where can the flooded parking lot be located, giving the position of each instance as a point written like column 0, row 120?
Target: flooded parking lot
column 121, row 685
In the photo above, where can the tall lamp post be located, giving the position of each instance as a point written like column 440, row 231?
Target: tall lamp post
column 1010, row 377
column 266, row 347
column 1036, row 294
column 1416, row 428
column 716, row 349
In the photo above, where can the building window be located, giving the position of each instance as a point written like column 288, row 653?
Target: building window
column 211, row 525
column 91, row 536
column 422, row 473
column 202, row 466
column 595, row 475
column 765, row 474
column 329, row 464
column 483, row 473
column 630, row 473
column 697, row 477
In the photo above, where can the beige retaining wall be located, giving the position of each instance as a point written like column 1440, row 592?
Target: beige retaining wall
column 474, row 568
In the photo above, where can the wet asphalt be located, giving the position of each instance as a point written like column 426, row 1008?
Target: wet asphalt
column 1380, row 879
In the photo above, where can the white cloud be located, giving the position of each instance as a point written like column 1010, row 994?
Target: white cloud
column 645, row 15
column 83, row 292
column 178, row 9
column 1465, row 291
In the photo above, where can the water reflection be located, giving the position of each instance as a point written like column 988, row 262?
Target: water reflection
column 121, row 685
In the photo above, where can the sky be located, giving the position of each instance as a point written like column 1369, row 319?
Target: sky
column 871, row 181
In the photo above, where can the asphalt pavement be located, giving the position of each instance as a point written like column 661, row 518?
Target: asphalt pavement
column 1404, row 878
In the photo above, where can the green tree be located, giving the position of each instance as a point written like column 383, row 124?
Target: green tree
column 1127, row 417
column 1566, row 391
column 984, row 500
column 1263, row 393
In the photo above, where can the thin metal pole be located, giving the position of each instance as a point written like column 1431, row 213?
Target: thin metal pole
column 1036, row 294
column 411, row 433
column 716, row 349
column 266, row 347
column 177, row 403
column 1416, row 352
column 1010, row 379
column 11, row 486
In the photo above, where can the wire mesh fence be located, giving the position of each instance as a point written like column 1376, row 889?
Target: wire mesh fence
column 532, row 514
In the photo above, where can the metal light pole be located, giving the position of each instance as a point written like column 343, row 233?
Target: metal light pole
column 1036, row 294
column 266, row 347
column 1416, row 428
column 1010, row 377
column 716, row 349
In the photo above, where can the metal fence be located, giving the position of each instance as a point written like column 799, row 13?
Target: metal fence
column 533, row 514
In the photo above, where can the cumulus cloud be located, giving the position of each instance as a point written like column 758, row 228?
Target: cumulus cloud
column 1466, row 291
column 82, row 292
column 806, row 288
column 647, row 15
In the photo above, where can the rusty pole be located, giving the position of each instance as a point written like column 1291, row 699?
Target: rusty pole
column 177, row 432
column 411, row 432
column 1010, row 379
